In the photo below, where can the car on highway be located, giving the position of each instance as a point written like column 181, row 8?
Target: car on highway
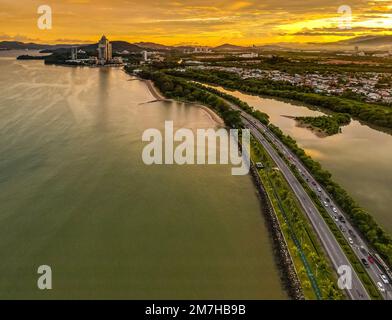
column 384, row 278
column 318, row 189
column 365, row 263
column 314, row 183
column 336, row 218
column 342, row 228
column 259, row 165
column 380, row 287
column 371, row 259
column 351, row 233
column 335, row 210
column 341, row 219
column 326, row 204
column 351, row 241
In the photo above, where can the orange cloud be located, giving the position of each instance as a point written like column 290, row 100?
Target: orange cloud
column 208, row 22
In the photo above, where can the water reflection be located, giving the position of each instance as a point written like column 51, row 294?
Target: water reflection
column 75, row 194
column 360, row 158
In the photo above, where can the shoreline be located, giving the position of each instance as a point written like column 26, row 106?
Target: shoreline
column 316, row 131
column 283, row 259
column 295, row 102
column 281, row 254
column 159, row 97
column 301, row 124
column 153, row 90
column 211, row 114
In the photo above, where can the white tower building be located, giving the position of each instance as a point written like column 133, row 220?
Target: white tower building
column 104, row 50
column 74, row 53
column 145, row 55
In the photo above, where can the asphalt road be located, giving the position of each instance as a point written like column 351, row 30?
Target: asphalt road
column 359, row 245
column 331, row 246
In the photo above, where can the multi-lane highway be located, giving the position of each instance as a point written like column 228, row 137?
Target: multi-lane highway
column 353, row 237
column 331, row 246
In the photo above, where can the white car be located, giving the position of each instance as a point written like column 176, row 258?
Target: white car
column 335, row 210
column 384, row 279
column 326, row 204
column 380, row 287
column 351, row 241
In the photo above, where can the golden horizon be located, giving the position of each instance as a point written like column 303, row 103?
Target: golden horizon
column 194, row 22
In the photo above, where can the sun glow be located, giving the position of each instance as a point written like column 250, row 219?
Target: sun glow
column 210, row 22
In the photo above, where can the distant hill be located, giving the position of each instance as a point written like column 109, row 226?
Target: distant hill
column 377, row 42
column 368, row 41
column 153, row 46
column 16, row 45
column 273, row 47
column 116, row 46
column 230, row 47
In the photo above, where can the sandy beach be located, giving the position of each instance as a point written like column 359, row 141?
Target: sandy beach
column 215, row 117
column 157, row 95
column 154, row 91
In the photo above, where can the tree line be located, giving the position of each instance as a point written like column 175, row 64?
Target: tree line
column 375, row 114
column 329, row 124
column 174, row 87
column 373, row 233
column 261, row 116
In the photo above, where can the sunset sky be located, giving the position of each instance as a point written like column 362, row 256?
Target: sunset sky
column 203, row 22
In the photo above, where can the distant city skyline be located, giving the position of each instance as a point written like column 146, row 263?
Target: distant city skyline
column 194, row 22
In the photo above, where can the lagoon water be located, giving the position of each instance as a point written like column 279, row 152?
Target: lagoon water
column 360, row 158
column 75, row 195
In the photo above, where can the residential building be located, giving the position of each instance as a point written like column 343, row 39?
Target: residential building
column 104, row 51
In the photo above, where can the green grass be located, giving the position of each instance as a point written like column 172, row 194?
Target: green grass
column 274, row 182
column 357, row 265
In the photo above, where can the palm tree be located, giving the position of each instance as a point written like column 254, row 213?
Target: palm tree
column 300, row 232
column 324, row 270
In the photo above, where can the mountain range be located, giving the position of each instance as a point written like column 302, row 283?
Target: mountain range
column 369, row 42
column 378, row 42
column 16, row 45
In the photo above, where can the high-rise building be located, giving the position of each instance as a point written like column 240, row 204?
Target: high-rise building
column 145, row 55
column 74, row 53
column 197, row 50
column 104, row 50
